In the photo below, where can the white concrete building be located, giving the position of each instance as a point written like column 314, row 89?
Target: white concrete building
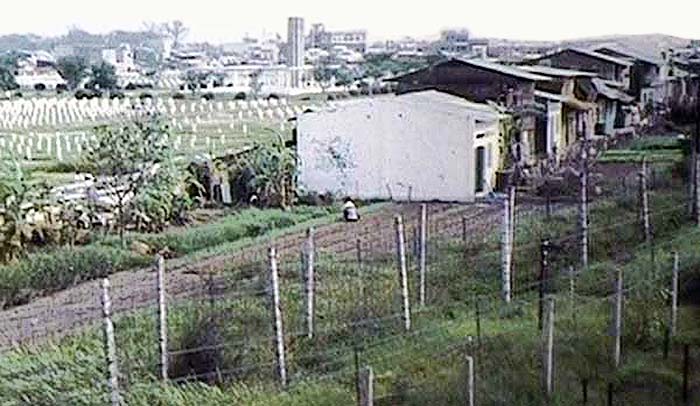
column 418, row 146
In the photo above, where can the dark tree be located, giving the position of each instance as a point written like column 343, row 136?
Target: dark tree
column 73, row 70
column 8, row 65
column 103, row 76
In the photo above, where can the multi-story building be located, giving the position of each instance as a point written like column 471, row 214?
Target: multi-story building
column 455, row 42
column 354, row 40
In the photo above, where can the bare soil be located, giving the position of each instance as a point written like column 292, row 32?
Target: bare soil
column 72, row 310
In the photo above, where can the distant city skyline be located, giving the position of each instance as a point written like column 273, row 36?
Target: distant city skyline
column 220, row 21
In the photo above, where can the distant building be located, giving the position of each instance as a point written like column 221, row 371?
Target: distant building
column 607, row 67
column 295, row 49
column 514, row 89
column 643, row 73
column 354, row 40
column 455, row 42
column 271, row 79
column 480, row 49
column 253, row 51
column 37, row 70
column 122, row 58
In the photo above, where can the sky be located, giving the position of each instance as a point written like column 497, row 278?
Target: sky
column 229, row 20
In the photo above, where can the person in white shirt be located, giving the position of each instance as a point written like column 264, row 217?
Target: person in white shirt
column 350, row 213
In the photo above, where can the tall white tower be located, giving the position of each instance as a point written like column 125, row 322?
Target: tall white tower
column 295, row 49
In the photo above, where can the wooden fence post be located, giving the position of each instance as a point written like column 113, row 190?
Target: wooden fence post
column 512, row 210
column 544, row 276
column 162, row 319
column 277, row 315
column 548, row 348
column 366, row 386
column 423, row 251
column 617, row 319
column 403, row 274
column 674, row 296
column 583, row 205
column 506, row 248
column 358, row 248
column 644, row 207
column 110, row 346
column 696, row 189
column 470, row 381
column 310, row 283
column 686, row 373
column 464, row 230
column 572, row 292
column 477, row 316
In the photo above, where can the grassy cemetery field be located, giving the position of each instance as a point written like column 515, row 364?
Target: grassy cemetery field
column 50, row 133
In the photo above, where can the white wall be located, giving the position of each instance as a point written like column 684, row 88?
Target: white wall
column 378, row 148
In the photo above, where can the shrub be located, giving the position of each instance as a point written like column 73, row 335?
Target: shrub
column 87, row 94
column 240, row 96
column 208, row 96
column 249, row 223
column 179, row 96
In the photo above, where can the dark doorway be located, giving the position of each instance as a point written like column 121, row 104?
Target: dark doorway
column 540, row 136
column 480, row 168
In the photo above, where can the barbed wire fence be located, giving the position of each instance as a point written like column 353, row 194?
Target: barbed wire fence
column 380, row 307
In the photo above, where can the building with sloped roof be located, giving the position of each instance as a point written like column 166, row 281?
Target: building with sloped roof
column 606, row 66
column 482, row 81
column 643, row 73
column 420, row 146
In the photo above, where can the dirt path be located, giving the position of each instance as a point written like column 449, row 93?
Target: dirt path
column 70, row 311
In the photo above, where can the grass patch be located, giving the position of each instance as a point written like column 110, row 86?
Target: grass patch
column 248, row 223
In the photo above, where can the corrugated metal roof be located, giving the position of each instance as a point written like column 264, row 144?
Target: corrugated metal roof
column 610, row 93
column 604, row 57
column 588, row 53
column 568, row 100
column 550, row 96
column 557, row 72
column 503, row 69
column 629, row 54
